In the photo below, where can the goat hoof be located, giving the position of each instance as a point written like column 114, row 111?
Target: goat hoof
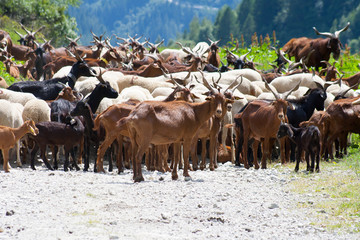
column 139, row 179
column 202, row 167
column 195, row 168
column 187, row 178
column 296, row 170
column 212, row 168
column 174, row 177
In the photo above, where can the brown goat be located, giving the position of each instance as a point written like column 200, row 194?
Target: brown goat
column 322, row 48
column 158, row 123
column 9, row 137
column 5, row 41
column 260, row 121
column 213, row 56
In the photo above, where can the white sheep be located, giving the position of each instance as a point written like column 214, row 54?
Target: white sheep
column 286, row 83
column 37, row 110
column 16, row 97
column 149, row 83
column 130, row 93
column 11, row 116
column 180, row 54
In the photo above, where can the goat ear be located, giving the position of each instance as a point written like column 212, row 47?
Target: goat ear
column 238, row 98
column 208, row 98
column 291, row 106
column 229, row 101
column 194, row 96
column 112, row 54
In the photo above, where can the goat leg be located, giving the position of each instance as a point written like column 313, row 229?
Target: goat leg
column 43, row 156
column 54, row 153
column 5, row 154
column 74, row 160
column 33, row 154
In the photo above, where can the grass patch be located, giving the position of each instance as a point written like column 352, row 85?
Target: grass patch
column 333, row 195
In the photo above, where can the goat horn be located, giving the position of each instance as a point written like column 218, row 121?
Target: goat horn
column 326, row 62
column 24, row 28
column 342, row 93
column 286, row 95
column 326, row 34
column 99, row 77
column 20, row 35
column 158, row 44
column 232, row 54
column 175, row 82
column 78, row 38
column 70, row 53
column 234, row 84
column 337, row 33
column 206, row 83
column 243, row 57
column 41, row 28
column 94, row 34
column 277, row 97
column 185, row 49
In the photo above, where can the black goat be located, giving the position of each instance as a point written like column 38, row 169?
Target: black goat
column 68, row 134
column 303, row 110
column 91, row 137
column 305, row 106
column 307, row 139
column 211, row 68
column 62, row 108
column 49, row 89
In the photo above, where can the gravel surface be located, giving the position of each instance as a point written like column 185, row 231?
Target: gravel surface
column 228, row 203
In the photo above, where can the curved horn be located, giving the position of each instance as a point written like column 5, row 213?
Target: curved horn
column 232, row 54
column 234, row 84
column 41, row 28
column 277, row 97
column 175, row 82
column 326, row 62
column 286, row 95
column 337, row 33
column 185, row 49
column 206, row 83
column 99, row 77
column 326, row 34
column 23, row 27
column 20, row 35
column 243, row 57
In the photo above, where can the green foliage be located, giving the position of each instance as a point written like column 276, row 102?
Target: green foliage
column 9, row 79
column 51, row 13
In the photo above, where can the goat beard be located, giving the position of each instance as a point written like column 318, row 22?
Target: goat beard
column 336, row 55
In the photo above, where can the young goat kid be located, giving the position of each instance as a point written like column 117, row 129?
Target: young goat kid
column 307, row 139
column 9, row 136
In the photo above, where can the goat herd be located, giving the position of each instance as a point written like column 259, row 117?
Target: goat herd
column 131, row 100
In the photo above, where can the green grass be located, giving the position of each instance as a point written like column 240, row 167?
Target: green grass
column 335, row 191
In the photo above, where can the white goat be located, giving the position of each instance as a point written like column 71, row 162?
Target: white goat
column 16, row 97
